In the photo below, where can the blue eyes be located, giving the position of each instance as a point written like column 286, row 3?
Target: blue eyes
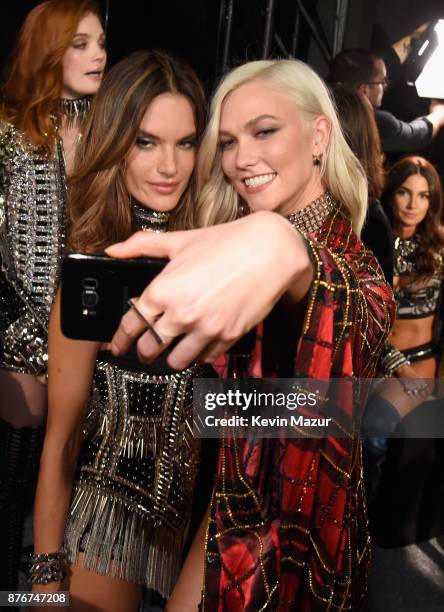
column 266, row 132
column 226, row 144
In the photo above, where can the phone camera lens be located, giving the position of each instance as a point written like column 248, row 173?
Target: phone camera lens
column 90, row 298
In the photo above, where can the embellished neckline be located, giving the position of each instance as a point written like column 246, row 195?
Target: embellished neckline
column 150, row 220
column 405, row 255
column 310, row 218
column 412, row 240
column 74, row 111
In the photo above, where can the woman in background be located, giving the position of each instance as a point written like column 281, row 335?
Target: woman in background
column 56, row 67
column 361, row 132
column 413, row 201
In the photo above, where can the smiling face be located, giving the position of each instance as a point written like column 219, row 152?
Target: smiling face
column 411, row 203
column 267, row 150
column 159, row 165
column 84, row 61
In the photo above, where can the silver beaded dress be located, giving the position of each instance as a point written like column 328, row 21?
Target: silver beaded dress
column 131, row 502
column 32, row 239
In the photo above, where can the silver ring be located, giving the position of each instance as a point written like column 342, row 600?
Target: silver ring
column 149, row 326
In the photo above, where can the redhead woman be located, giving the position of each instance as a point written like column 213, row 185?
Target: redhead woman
column 57, row 66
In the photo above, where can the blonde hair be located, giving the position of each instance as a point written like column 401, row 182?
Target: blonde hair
column 340, row 170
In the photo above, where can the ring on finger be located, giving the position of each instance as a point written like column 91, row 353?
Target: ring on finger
column 149, row 325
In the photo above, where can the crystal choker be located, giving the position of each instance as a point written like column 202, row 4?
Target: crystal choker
column 313, row 216
column 150, row 220
column 74, row 111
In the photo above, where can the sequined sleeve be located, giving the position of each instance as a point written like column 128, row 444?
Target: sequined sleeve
column 23, row 323
column 350, row 292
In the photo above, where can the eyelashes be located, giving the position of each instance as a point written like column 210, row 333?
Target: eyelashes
column 84, row 44
column 224, row 144
column 147, row 143
column 260, row 134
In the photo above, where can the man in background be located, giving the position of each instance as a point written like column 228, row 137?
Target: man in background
column 366, row 71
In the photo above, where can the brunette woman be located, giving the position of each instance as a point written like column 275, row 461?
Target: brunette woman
column 120, row 522
column 413, row 200
column 361, row 132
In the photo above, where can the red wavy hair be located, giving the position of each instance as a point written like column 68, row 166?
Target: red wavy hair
column 35, row 81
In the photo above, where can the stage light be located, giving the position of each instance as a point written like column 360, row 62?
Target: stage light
column 430, row 83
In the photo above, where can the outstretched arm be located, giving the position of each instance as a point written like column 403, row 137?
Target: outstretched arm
column 220, row 282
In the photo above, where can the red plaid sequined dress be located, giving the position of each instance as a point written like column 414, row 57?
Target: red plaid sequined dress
column 288, row 526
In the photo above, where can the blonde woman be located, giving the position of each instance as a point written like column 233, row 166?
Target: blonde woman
column 287, row 528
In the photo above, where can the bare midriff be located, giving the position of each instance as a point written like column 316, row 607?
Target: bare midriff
column 408, row 333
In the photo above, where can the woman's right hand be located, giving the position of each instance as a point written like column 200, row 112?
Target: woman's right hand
column 221, row 281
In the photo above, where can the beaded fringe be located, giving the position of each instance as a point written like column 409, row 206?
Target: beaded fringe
column 119, row 542
column 141, row 436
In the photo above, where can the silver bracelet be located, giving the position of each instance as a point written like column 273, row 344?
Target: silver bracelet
column 393, row 360
column 47, row 567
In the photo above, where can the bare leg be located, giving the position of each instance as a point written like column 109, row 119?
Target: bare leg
column 187, row 593
column 91, row 592
column 22, row 411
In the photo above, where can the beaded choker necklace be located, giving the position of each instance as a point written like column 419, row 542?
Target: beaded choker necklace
column 312, row 217
column 150, row 220
column 74, row 111
column 405, row 255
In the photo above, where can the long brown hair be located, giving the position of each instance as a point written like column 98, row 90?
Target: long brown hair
column 430, row 231
column 35, row 81
column 361, row 132
column 100, row 205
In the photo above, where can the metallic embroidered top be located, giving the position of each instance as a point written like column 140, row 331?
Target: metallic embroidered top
column 32, row 239
column 293, row 509
column 311, row 218
column 404, row 260
column 416, row 299
column 132, row 495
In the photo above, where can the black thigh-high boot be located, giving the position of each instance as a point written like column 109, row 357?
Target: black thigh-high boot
column 379, row 422
column 19, row 464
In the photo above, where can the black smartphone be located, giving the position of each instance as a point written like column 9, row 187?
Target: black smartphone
column 95, row 290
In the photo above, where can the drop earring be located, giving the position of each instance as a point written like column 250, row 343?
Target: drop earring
column 316, row 160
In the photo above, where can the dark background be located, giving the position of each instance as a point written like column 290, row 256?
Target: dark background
column 190, row 27
column 196, row 30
